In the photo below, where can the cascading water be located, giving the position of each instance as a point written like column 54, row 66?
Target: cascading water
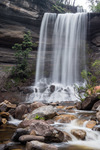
column 60, row 60
column 61, row 56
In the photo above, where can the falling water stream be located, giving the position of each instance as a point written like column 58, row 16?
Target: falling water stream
column 61, row 58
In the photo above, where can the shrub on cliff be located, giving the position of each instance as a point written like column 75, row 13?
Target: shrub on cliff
column 22, row 55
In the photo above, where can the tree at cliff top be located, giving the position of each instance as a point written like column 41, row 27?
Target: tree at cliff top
column 22, row 55
column 94, row 5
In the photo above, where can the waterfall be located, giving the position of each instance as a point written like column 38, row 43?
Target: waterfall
column 61, row 56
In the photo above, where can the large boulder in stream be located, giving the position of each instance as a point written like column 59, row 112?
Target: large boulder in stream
column 20, row 111
column 48, row 112
column 41, row 128
column 79, row 134
column 88, row 103
column 36, row 145
column 90, row 124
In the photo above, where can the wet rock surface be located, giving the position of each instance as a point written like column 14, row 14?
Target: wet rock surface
column 39, row 146
column 66, row 118
column 48, row 112
column 88, row 103
column 79, row 134
column 20, row 111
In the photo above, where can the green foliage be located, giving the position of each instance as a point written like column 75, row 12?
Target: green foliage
column 94, row 5
column 96, row 66
column 37, row 117
column 90, row 79
column 22, row 55
column 82, row 91
column 58, row 8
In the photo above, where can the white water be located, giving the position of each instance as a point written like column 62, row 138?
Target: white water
column 61, row 57
column 13, row 121
column 92, row 139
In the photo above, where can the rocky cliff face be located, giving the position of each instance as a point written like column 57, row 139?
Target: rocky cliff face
column 16, row 17
column 93, row 38
column 19, row 16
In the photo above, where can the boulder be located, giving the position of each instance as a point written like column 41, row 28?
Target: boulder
column 36, row 105
column 95, row 106
column 19, row 132
column 91, row 124
column 36, row 145
column 88, row 103
column 65, row 118
column 98, row 116
column 26, row 123
column 79, row 134
column 20, row 111
column 6, row 105
column 27, row 138
column 48, row 112
column 52, row 88
column 41, row 128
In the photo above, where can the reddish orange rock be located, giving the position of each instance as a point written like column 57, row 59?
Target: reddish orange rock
column 91, row 124
column 60, row 107
column 65, row 118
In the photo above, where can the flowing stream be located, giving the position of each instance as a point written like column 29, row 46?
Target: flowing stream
column 92, row 139
column 61, row 57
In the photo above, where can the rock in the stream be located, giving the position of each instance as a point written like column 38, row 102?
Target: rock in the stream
column 36, row 105
column 91, row 124
column 88, row 103
column 66, row 118
column 19, row 132
column 48, row 112
column 95, row 106
column 27, row 138
column 6, row 105
column 98, row 116
column 79, row 134
column 67, row 137
column 20, row 111
column 36, row 145
column 41, row 128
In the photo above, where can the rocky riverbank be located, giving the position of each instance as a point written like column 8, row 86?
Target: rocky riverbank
column 50, row 126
